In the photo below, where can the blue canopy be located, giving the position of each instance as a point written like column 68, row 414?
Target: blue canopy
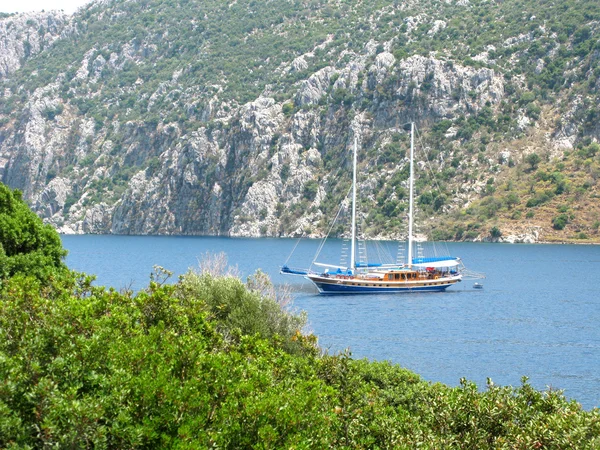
column 434, row 259
column 368, row 264
column 286, row 269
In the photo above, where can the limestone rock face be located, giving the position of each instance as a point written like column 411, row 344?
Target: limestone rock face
column 380, row 69
column 144, row 194
column 238, row 177
column 52, row 199
column 106, row 145
column 38, row 139
column 524, row 235
column 447, row 84
column 315, row 86
column 25, row 35
column 299, row 64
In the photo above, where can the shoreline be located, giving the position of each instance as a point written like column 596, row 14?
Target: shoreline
column 378, row 238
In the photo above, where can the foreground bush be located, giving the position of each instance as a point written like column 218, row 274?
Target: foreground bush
column 109, row 370
column 26, row 244
column 211, row 363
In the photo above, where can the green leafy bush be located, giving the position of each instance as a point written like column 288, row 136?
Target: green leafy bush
column 183, row 366
column 495, row 232
column 251, row 309
column 310, row 190
column 560, row 222
column 27, row 246
column 533, row 159
column 102, row 369
column 287, row 109
column 539, row 198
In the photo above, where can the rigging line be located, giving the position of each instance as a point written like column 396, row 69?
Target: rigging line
column 383, row 254
column 329, row 231
column 293, row 250
column 435, row 181
column 362, row 236
column 420, row 137
column 380, row 254
column 388, row 252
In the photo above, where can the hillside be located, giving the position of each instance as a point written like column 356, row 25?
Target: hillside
column 208, row 117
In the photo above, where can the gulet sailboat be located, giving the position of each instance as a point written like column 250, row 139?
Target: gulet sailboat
column 416, row 274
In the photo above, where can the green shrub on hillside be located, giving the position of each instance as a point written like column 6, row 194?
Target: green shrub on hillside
column 238, row 309
column 533, row 159
column 27, row 246
column 560, row 222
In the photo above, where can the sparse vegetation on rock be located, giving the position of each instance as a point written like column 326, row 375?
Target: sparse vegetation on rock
column 196, row 117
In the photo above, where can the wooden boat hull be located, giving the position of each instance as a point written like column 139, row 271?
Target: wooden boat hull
column 338, row 285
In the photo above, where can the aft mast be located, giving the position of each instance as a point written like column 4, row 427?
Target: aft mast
column 352, row 244
column 411, row 197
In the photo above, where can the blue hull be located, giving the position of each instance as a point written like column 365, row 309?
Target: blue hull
column 326, row 287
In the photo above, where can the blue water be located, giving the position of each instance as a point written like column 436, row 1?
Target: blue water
column 537, row 315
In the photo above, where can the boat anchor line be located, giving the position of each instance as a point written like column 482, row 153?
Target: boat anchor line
column 416, row 274
column 472, row 275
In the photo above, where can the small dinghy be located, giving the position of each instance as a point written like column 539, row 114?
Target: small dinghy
column 477, row 286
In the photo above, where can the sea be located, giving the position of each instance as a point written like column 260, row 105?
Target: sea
column 537, row 316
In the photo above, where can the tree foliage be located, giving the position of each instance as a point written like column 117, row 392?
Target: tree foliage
column 197, row 365
column 533, row 159
column 26, row 245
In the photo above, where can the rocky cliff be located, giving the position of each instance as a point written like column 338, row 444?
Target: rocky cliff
column 22, row 36
column 156, row 117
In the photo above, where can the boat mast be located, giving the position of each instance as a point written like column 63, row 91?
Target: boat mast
column 352, row 244
column 411, row 197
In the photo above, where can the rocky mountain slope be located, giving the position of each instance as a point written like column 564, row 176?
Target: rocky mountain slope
column 237, row 118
